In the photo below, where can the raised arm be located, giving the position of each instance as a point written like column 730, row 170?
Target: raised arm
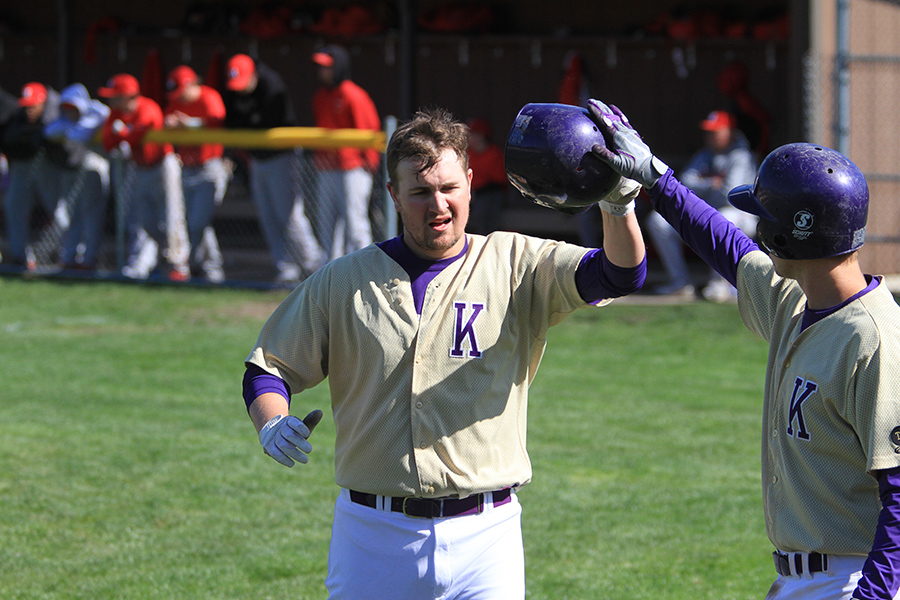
column 622, row 240
column 713, row 237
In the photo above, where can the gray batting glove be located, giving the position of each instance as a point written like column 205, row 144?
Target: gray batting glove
column 286, row 439
column 628, row 155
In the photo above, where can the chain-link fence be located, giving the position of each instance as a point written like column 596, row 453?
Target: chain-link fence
column 873, row 78
column 258, row 222
column 851, row 104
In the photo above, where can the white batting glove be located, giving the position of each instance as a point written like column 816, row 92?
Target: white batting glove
column 620, row 201
column 286, row 439
column 629, row 155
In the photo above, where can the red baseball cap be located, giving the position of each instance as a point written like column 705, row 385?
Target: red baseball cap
column 240, row 69
column 179, row 78
column 119, row 85
column 716, row 120
column 33, row 93
column 323, row 59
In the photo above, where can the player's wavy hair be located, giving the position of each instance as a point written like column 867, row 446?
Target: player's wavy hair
column 425, row 137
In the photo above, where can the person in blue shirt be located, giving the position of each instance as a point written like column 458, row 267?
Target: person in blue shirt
column 83, row 175
column 724, row 161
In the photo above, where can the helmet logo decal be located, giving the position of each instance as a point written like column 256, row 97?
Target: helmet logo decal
column 803, row 220
column 517, row 134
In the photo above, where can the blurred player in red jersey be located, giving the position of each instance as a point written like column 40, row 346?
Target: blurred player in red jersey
column 489, row 182
column 154, row 181
column 345, row 174
column 204, row 175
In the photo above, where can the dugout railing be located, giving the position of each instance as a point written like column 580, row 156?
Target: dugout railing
column 247, row 260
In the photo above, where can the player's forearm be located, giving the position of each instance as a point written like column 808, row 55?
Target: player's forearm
column 267, row 406
column 881, row 573
column 622, row 240
column 265, row 395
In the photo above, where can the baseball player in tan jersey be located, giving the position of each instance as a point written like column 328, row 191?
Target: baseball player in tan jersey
column 429, row 342
column 831, row 415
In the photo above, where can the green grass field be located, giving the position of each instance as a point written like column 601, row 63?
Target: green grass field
column 129, row 468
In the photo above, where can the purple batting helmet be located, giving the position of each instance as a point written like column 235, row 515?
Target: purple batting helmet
column 812, row 202
column 548, row 158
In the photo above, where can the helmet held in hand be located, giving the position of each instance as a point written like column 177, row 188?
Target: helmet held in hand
column 549, row 160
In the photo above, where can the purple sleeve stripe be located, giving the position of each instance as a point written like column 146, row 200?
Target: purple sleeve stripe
column 598, row 279
column 715, row 239
column 881, row 573
column 258, row 382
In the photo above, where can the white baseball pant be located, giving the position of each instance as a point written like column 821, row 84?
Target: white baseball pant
column 379, row 555
column 837, row 583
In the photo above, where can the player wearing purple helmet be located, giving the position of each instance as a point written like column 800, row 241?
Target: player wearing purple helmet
column 831, row 413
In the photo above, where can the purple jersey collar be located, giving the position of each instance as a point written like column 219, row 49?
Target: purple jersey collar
column 421, row 271
column 811, row 317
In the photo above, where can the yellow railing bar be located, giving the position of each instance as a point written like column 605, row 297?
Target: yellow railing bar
column 277, row 137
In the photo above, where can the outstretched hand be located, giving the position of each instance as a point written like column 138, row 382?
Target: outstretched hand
column 286, row 439
column 626, row 152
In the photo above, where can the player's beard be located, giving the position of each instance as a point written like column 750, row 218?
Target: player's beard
column 420, row 237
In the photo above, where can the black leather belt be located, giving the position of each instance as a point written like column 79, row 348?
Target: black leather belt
column 430, row 508
column 818, row 563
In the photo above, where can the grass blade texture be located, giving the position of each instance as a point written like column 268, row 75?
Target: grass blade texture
column 129, row 467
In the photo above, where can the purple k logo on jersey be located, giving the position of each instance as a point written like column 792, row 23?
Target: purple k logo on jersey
column 797, row 400
column 466, row 331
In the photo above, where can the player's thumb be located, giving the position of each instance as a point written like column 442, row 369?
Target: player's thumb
column 604, row 154
column 312, row 419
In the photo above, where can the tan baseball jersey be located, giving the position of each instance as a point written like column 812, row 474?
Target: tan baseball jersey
column 428, row 406
column 831, row 412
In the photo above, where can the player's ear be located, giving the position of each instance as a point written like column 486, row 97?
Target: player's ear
column 390, row 189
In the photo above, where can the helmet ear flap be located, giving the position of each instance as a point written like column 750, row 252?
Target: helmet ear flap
column 549, row 157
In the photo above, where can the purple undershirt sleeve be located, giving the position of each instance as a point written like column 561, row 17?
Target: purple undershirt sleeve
column 598, row 279
column 715, row 239
column 257, row 382
column 881, row 572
